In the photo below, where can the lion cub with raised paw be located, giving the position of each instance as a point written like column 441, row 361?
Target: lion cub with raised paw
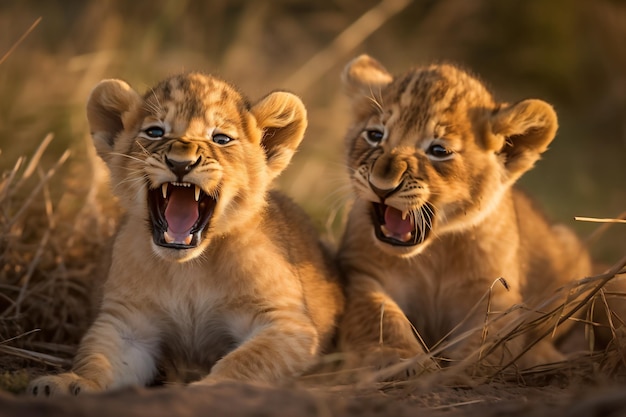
column 436, row 220
column 211, row 271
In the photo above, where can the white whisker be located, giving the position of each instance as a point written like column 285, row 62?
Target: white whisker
column 377, row 102
column 126, row 156
column 132, row 181
column 156, row 108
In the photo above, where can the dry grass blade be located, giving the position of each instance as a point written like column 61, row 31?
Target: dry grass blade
column 3, row 342
column 36, row 356
column 17, row 43
column 27, row 277
column 455, row 405
column 603, row 228
column 36, row 191
column 347, row 40
column 6, row 185
column 609, row 315
column 34, row 162
column 470, row 313
column 599, row 220
column 602, row 278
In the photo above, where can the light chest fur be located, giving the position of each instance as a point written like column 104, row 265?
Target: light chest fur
column 204, row 308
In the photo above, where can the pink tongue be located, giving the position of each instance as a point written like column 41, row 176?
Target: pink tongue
column 181, row 212
column 395, row 224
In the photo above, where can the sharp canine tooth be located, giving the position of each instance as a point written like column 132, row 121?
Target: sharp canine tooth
column 385, row 230
column 164, row 189
column 167, row 237
column 404, row 214
column 197, row 193
column 187, row 240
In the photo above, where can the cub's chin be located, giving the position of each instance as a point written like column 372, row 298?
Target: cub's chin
column 401, row 234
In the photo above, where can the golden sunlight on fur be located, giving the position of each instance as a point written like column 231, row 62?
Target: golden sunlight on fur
column 436, row 221
column 213, row 276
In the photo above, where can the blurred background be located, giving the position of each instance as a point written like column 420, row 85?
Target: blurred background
column 570, row 53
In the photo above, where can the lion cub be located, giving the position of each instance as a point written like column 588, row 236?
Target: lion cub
column 210, row 271
column 436, row 219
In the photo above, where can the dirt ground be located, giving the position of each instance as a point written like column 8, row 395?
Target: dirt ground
column 238, row 399
column 570, row 394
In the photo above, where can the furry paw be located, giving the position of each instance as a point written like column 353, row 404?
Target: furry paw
column 391, row 364
column 542, row 353
column 63, row 384
column 207, row 381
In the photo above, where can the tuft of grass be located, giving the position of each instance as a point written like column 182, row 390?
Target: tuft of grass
column 50, row 244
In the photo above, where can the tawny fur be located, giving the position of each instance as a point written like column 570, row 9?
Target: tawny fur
column 258, row 298
column 481, row 227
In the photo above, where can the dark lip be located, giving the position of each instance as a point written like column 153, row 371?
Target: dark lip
column 158, row 224
column 418, row 236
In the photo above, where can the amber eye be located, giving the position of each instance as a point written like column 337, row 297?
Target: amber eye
column 154, row 132
column 222, row 139
column 440, row 152
column 373, row 136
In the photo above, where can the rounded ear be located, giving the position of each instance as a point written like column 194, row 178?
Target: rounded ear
column 363, row 76
column 282, row 118
column 527, row 128
column 108, row 102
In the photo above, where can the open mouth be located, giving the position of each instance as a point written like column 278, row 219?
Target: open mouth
column 401, row 228
column 179, row 212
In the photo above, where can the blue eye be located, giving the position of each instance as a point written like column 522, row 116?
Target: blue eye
column 154, row 132
column 373, row 136
column 222, row 139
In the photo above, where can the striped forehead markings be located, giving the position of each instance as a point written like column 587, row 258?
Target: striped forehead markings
column 407, row 90
column 182, row 99
column 424, row 95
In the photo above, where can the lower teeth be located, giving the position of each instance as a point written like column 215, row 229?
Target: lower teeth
column 404, row 238
column 169, row 239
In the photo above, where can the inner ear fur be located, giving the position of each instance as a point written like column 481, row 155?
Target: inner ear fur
column 526, row 129
column 282, row 118
column 363, row 78
column 108, row 104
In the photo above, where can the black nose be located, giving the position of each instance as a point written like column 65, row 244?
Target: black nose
column 181, row 168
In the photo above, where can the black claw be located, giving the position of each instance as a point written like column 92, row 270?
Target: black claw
column 76, row 390
column 35, row 390
column 46, row 390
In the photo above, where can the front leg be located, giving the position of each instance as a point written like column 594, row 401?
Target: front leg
column 281, row 345
column 118, row 350
column 375, row 331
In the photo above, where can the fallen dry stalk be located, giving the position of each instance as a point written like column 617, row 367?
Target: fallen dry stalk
column 603, row 228
column 599, row 220
column 36, row 356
